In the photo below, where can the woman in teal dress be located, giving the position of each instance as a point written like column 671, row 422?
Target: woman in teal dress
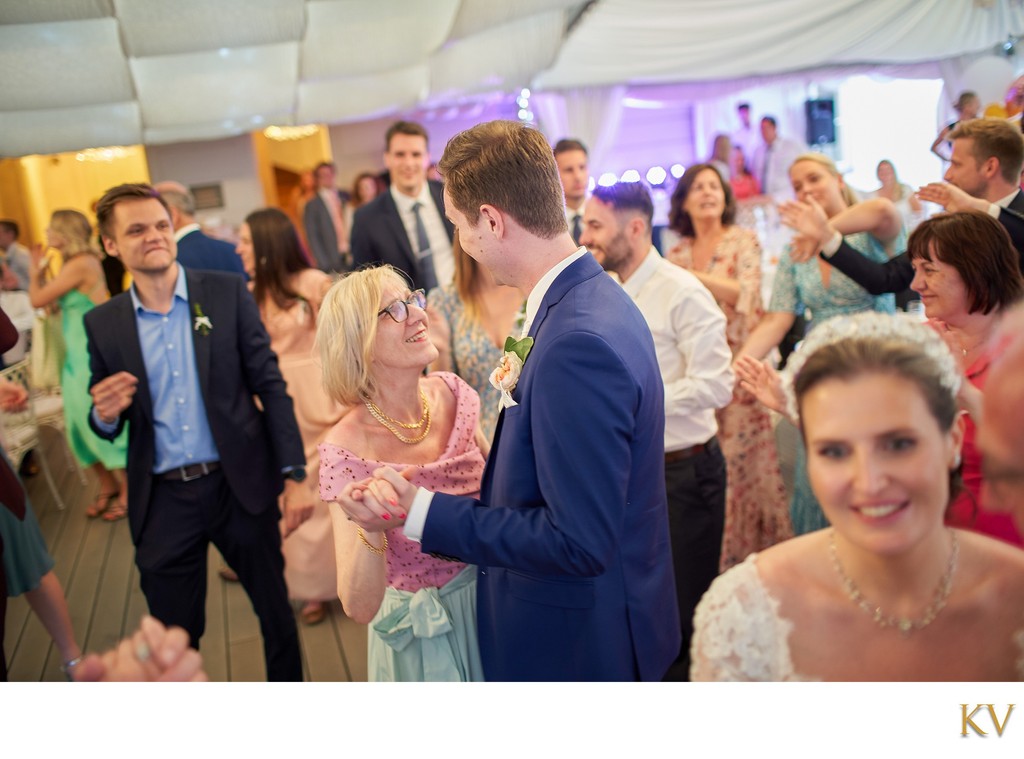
column 77, row 288
column 875, row 228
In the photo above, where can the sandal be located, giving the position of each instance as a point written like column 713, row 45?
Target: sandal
column 117, row 511
column 313, row 613
column 100, row 504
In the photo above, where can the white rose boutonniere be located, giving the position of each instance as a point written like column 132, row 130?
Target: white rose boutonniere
column 202, row 323
column 506, row 376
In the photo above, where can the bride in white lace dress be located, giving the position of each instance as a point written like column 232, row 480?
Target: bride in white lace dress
column 887, row 592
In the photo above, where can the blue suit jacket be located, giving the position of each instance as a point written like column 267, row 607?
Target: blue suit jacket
column 379, row 236
column 199, row 252
column 571, row 530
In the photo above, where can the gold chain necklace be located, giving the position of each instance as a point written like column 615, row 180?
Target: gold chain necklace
column 390, row 423
column 379, row 414
column 904, row 624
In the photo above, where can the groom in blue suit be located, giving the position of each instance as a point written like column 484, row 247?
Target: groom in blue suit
column 570, row 534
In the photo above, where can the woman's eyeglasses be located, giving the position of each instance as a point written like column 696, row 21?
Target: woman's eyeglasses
column 399, row 310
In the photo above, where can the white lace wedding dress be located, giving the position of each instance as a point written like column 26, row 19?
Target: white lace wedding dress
column 739, row 634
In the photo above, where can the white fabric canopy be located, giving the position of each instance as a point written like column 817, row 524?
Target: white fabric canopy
column 88, row 73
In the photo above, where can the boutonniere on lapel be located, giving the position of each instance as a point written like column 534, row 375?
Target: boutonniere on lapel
column 506, row 376
column 201, row 323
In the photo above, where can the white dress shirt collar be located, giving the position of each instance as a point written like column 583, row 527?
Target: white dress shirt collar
column 1005, row 202
column 643, row 273
column 543, row 284
column 405, row 203
column 185, row 230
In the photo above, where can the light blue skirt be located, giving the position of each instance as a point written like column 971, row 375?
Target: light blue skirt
column 427, row 636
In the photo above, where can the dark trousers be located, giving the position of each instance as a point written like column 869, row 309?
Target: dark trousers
column 696, row 519
column 183, row 519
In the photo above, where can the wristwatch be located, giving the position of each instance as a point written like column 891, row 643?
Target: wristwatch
column 298, row 474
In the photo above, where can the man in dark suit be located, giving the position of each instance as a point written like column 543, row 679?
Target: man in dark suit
column 324, row 220
column 574, row 171
column 570, row 534
column 406, row 226
column 196, row 250
column 179, row 358
column 983, row 175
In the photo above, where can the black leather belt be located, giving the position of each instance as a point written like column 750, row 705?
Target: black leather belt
column 688, row 453
column 190, row 472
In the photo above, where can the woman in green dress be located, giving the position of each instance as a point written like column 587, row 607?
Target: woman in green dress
column 77, row 288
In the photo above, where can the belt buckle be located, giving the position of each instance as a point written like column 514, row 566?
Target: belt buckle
column 203, row 471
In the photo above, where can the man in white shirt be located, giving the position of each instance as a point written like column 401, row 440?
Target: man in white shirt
column 694, row 358
column 406, row 226
column 773, row 158
column 574, row 172
column 746, row 137
column 570, row 533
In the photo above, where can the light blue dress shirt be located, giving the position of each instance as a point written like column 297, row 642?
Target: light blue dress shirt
column 181, row 430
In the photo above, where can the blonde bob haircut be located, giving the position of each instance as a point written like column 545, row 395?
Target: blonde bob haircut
column 849, row 196
column 346, row 329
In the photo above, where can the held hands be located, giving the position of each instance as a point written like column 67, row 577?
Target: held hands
column 153, row 654
column 762, row 381
column 381, row 502
column 298, row 505
column 113, row 395
column 809, row 221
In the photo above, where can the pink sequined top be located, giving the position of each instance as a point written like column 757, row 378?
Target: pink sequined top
column 457, row 471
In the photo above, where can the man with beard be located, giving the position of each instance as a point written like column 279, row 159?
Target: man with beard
column 694, row 358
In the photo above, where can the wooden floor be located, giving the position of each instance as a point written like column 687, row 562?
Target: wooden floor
column 95, row 564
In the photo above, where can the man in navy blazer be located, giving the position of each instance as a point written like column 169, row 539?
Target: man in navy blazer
column 570, row 533
column 196, row 250
column 179, row 359
column 391, row 229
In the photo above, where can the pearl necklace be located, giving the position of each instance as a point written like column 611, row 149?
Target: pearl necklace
column 393, row 424
column 904, row 624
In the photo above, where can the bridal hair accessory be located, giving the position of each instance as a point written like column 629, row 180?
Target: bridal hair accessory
column 506, row 376
column 904, row 624
column 866, row 325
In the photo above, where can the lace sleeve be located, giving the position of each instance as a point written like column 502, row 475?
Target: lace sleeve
column 738, row 634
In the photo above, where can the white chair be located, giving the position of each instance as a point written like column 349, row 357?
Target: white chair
column 49, row 408
column 20, row 429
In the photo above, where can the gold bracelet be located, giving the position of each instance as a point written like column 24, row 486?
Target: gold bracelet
column 373, row 549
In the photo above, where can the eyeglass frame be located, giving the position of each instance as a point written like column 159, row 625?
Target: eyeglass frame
column 416, row 297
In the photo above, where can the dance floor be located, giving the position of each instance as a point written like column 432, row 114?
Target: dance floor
column 95, row 565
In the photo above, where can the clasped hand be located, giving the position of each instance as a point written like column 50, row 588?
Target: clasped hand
column 113, row 394
column 808, row 219
column 380, row 502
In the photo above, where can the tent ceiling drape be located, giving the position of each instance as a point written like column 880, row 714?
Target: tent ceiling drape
column 86, row 73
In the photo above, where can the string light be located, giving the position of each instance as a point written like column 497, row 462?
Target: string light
column 523, row 101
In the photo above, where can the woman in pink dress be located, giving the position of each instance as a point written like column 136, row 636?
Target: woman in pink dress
column 967, row 272
column 727, row 260
column 375, row 346
column 289, row 293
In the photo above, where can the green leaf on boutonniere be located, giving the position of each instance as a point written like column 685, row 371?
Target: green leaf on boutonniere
column 520, row 347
